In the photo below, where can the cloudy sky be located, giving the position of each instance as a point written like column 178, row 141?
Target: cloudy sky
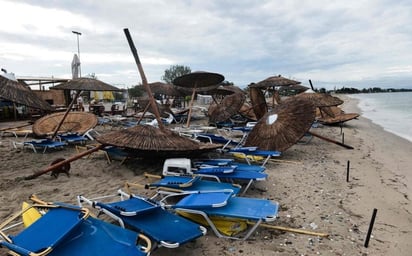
column 352, row 43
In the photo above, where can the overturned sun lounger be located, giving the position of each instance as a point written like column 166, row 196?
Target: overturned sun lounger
column 149, row 218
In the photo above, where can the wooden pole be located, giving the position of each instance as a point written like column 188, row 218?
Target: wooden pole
column 311, row 85
column 16, row 127
column 59, row 164
column 143, row 76
column 370, row 227
column 347, row 171
column 66, row 113
column 295, row 230
column 330, row 140
column 190, row 106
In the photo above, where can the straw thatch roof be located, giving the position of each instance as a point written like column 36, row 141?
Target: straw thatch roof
column 247, row 111
column 198, row 79
column 283, row 126
column 165, row 89
column 151, row 141
column 320, row 99
column 274, row 81
column 229, row 106
column 79, row 122
column 258, row 102
column 334, row 115
column 18, row 93
column 85, row 84
column 163, row 109
column 226, row 90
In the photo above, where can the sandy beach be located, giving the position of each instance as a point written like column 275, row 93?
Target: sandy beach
column 309, row 182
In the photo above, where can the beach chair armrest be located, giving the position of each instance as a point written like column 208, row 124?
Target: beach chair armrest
column 23, row 251
column 142, row 239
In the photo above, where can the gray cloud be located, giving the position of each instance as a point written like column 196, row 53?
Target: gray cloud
column 332, row 43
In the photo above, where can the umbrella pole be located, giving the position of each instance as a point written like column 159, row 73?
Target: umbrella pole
column 190, row 106
column 16, row 127
column 143, row 76
column 144, row 113
column 330, row 140
column 65, row 114
column 61, row 163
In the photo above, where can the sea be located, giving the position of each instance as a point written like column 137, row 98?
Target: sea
column 391, row 110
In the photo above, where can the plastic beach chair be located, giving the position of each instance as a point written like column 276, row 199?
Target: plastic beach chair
column 173, row 166
column 149, row 218
column 190, row 183
column 247, row 152
column 69, row 230
column 43, row 144
column 72, row 138
column 250, row 211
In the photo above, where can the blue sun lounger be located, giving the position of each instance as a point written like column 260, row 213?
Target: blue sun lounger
column 69, row 230
column 215, row 207
column 253, row 151
column 43, row 144
column 149, row 218
column 190, row 183
column 176, row 166
column 72, row 138
column 230, row 162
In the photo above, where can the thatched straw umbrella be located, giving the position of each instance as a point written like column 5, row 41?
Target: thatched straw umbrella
column 273, row 83
column 79, row 85
column 285, row 125
column 163, row 109
column 149, row 141
column 247, row 111
column 229, row 106
column 165, row 89
column 18, row 93
column 334, row 115
column 196, row 80
column 258, row 102
column 320, row 99
column 79, row 122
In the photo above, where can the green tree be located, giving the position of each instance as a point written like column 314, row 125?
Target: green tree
column 175, row 71
column 135, row 91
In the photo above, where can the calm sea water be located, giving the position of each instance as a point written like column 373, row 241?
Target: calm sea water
column 392, row 111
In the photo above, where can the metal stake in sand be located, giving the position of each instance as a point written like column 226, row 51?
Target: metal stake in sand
column 347, row 171
column 370, row 227
column 343, row 138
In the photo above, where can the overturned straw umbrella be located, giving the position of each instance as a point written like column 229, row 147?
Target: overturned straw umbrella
column 152, row 142
column 285, row 125
column 320, row 99
column 78, row 122
column 334, row 115
column 258, row 100
column 229, row 106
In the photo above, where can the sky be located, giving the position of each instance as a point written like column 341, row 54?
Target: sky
column 335, row 44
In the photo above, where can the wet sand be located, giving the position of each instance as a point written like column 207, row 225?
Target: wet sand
column 309, row 183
